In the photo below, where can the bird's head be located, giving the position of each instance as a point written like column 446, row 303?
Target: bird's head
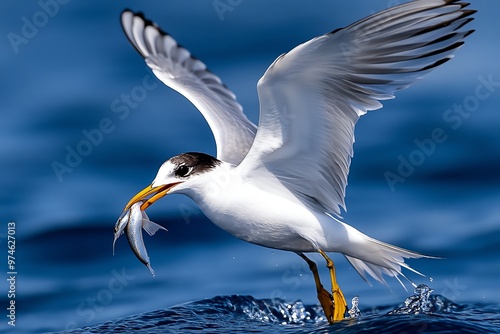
column 176, row 174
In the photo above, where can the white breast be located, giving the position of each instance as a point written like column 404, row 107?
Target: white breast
column 260, row 210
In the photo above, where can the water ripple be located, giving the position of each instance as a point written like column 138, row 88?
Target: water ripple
column 419, row 313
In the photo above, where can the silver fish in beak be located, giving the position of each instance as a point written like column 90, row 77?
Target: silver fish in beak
column 120, row 226
column 133, row 221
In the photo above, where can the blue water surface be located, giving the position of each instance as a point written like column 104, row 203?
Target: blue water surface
column 66, row 67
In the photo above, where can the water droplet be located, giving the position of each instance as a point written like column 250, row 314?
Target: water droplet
column 354, row 312
column 431, row 279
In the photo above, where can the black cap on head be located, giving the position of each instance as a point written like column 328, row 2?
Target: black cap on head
column 191, row 163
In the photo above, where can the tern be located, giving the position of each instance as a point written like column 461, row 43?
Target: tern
column 281, row 184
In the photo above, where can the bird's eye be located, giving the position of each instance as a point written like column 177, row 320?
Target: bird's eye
column 183, row 171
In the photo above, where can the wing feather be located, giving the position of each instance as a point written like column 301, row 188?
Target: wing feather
column 312, row 97
column 176, row 68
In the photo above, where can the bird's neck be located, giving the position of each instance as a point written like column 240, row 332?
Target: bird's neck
column 213, row 184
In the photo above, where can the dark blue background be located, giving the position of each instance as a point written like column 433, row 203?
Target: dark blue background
column 68, row 76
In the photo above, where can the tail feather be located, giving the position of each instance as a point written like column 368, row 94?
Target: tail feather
column 376, row 258
column 376, row 271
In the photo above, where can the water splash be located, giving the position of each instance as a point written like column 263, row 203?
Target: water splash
column 354, row 312
column 418, row 303
column 244, row 314
column 275, row 310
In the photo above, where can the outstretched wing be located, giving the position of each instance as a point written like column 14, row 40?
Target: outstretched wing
column 176, row 68
column 312, row 96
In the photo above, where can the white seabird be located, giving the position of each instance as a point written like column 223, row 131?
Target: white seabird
column 284, row 181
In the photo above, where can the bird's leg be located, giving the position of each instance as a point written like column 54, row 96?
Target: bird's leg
column 324, row 297
column 338, row 297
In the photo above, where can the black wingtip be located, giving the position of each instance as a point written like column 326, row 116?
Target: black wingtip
column 334, row 31
column 470, row 32
column 147, row 22
column 127, row 10
column 139, row 14
column 436, row 64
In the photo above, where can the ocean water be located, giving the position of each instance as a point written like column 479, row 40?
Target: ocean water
column 66, row 66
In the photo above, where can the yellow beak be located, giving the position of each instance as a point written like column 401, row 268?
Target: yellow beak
column 156, row 192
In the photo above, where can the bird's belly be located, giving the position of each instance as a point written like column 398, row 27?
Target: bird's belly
column 265, row 219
